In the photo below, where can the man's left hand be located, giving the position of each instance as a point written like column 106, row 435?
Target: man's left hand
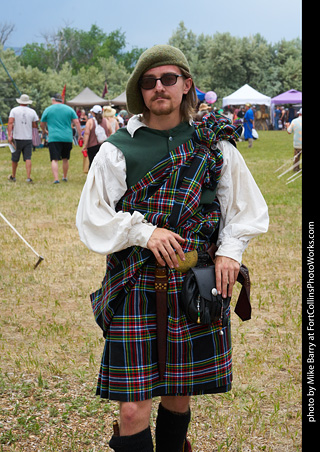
column 227, row 270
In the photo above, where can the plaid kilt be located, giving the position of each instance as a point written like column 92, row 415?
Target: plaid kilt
column 198, row 357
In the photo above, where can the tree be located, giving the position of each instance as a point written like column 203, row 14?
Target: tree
column 115, row 74
column 5, row 31
column 77, row 58
column 223, row 63
column 37, row 55
column 82, row 49
column 8, row 90
column 288, row 58
column 184, row 40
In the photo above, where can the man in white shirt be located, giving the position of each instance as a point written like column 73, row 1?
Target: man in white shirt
column 143, row 208
column 296, row 128
column 21, row 121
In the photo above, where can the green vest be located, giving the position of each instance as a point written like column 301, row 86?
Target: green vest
column 148, row 146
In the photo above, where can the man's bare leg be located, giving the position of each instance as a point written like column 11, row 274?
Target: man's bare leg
column 14, row 168
column 65, row 167
column 28, row 168
column 55, row 169
column 134, row 417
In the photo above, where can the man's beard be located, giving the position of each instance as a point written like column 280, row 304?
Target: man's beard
column 158, row 109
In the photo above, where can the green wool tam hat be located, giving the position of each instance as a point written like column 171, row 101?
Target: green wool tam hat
column 159, row 55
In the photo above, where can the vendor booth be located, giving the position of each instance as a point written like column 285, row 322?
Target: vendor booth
column 292, row 98
column 120, row 100
column 289, row 97
column 246, row 94
column 87, row 98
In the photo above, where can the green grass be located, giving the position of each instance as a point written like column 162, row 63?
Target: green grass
column 50, row 346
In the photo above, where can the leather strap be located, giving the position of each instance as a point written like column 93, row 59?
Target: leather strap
column 243, row 306
column 161, row 289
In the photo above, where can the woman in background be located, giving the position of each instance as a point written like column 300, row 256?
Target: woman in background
column 90, row 142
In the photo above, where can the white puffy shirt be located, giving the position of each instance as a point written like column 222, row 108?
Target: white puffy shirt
column 244, row 213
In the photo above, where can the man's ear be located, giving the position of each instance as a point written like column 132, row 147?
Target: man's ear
column 187, row 85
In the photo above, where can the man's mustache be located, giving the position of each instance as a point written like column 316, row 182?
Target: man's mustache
column 160, row 96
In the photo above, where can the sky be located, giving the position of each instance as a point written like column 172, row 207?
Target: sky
column 149, row 22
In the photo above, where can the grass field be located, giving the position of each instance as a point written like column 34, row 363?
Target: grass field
column 50, row 346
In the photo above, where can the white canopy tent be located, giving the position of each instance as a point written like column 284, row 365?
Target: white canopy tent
column 246, row 94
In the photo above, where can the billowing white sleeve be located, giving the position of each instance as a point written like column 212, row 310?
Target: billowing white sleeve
column 244, row 212
column 100, row 227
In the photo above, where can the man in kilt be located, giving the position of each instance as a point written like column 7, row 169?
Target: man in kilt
column 158, row 190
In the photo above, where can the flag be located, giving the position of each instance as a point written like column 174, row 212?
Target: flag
column 105, row 90
column 63, row 94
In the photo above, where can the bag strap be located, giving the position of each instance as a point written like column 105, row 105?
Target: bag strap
column 243, row 306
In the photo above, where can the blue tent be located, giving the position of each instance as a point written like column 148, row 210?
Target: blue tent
column 200, row 94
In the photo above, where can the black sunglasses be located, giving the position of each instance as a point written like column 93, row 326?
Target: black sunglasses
column 165, row 79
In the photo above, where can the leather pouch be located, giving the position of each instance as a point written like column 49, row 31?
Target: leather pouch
column 199, row 297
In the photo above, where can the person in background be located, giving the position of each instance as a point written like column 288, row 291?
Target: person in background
column 83, row 118
column 235, row 113
column 109, row 114
column 90, row 142
column 277, row 114
column 248, row 122
column 203, row 110
column 296, row 128
column 123, row 117
column 283, row 117
column 133, row 210
column 56, row 120
column 21, row 121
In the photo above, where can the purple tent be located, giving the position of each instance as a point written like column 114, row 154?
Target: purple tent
column 289, row 97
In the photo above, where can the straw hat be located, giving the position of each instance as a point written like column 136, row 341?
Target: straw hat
column 108, row 111
column 203, row 107
column 24, row 100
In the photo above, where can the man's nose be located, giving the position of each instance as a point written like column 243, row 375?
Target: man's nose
column 159, row 86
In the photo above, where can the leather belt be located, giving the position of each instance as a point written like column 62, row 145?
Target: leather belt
column 161, row 289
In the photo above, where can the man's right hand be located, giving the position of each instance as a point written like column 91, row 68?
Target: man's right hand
column 165, row 244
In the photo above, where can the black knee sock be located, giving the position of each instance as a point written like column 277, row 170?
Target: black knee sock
column 171, row 430
column 140, row 442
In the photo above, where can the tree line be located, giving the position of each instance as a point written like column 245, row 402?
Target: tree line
column 76, row 58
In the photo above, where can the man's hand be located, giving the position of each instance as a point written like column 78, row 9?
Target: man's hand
column 165, row 244
column 227, row 270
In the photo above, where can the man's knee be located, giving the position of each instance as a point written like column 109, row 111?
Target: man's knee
column 129, row 411
column 178, row 404
column 134, row 416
